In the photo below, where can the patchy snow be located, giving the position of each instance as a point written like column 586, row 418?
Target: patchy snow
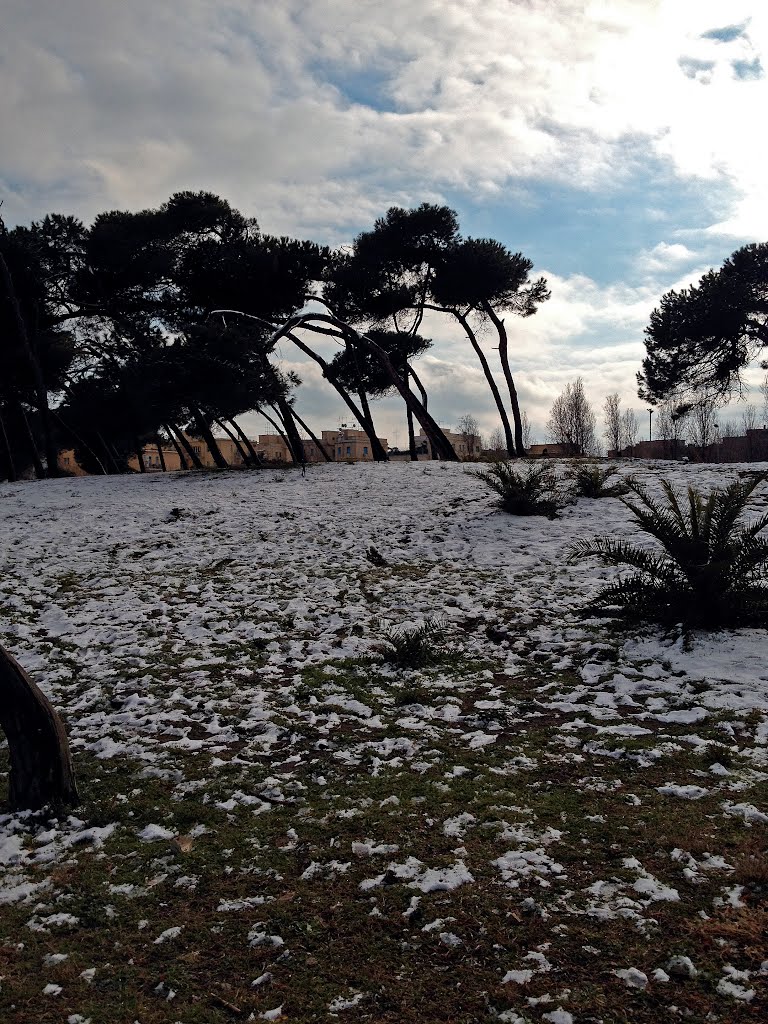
column 221, row 638
column 632, row 977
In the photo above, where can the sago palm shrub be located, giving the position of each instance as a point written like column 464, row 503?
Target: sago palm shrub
column 590, row 480
column 710, row 571
column 532, row 492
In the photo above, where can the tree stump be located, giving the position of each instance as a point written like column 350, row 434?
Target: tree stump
column 41, row 765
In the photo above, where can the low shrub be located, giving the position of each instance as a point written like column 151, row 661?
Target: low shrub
column 710, row 572
column 591, row 481
column 415, row 646
column 529, row 492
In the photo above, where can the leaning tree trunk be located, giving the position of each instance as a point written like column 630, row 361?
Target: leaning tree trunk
column 41, row 391
column 511, row 448
column 313, row 437
column 504, row 356
column 377, row 449
column 183, row 464
column 41, row 766
column 34, row 454
column 244, row 458
column 160, row 453
column 205, row 432
column 192, row 455
column 291, row 430
column 437, row 438
column 276, row 425
column 254, row 455
column 11, row 467
column 139, row 449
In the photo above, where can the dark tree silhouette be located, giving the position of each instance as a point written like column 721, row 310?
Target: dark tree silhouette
column 415, row 260
column 700, row 339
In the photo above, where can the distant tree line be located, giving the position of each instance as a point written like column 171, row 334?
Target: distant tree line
column 149, row 326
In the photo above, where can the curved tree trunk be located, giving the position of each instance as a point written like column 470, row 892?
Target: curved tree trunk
column 160, row 454
column 377, row 449
column 110, row 454
column 79, row 440
column 235, row 441
column 37, row 462
column 313, row 437
column 291, row 430
column 254, row 455
column 210, row 441
column 504, row 356
column 192, row 455
column 139, row 454
column 179, row 450
column 512, row 449
column 428, row 424
column 41, row 766
column 365, row 421
column 276, row 425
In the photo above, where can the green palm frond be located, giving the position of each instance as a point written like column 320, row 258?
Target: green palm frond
column 709, row 571
column 530, row 493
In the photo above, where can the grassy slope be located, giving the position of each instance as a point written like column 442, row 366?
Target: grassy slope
column 491, row 761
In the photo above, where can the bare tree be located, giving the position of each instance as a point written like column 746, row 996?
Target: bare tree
column 469, row 429
column 749, row 418
column 764, row 393
column 612, row 410
column 750, row 421
column 670, row 428
column 496, row 441
column 526, row 431
column 702, row 425
column 572, row 421
column 628, row 428
column 729, row 428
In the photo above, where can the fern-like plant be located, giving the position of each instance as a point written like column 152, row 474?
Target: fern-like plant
column 415, row 646
column 532, row 492
column 591, row 481
column 710, row 572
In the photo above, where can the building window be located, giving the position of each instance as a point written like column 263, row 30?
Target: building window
column 349, row 450
column 365, row 450
column 339, row 449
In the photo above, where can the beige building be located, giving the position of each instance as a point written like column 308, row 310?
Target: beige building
column 342, row 445
column 348, row 445
column 466, row 446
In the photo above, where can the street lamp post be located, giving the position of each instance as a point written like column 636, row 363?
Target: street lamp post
column 650, row 424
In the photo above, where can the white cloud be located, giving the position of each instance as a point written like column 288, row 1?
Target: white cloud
column 121, row 105
column 114, row 105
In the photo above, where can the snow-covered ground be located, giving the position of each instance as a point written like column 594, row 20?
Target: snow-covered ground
column 237, row 621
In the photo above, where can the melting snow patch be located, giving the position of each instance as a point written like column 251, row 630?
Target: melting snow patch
column 345, row 1002
column 151, row 833
column 730, row 988
column 684, row 792
column 748, row 812
column 632, row 978
column 169, row 933
column 558, row 1016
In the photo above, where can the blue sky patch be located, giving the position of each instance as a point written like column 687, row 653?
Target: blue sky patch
column 727, row 33
column 747, row 69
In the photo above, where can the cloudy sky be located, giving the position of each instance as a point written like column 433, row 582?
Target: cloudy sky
column 618, row 144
